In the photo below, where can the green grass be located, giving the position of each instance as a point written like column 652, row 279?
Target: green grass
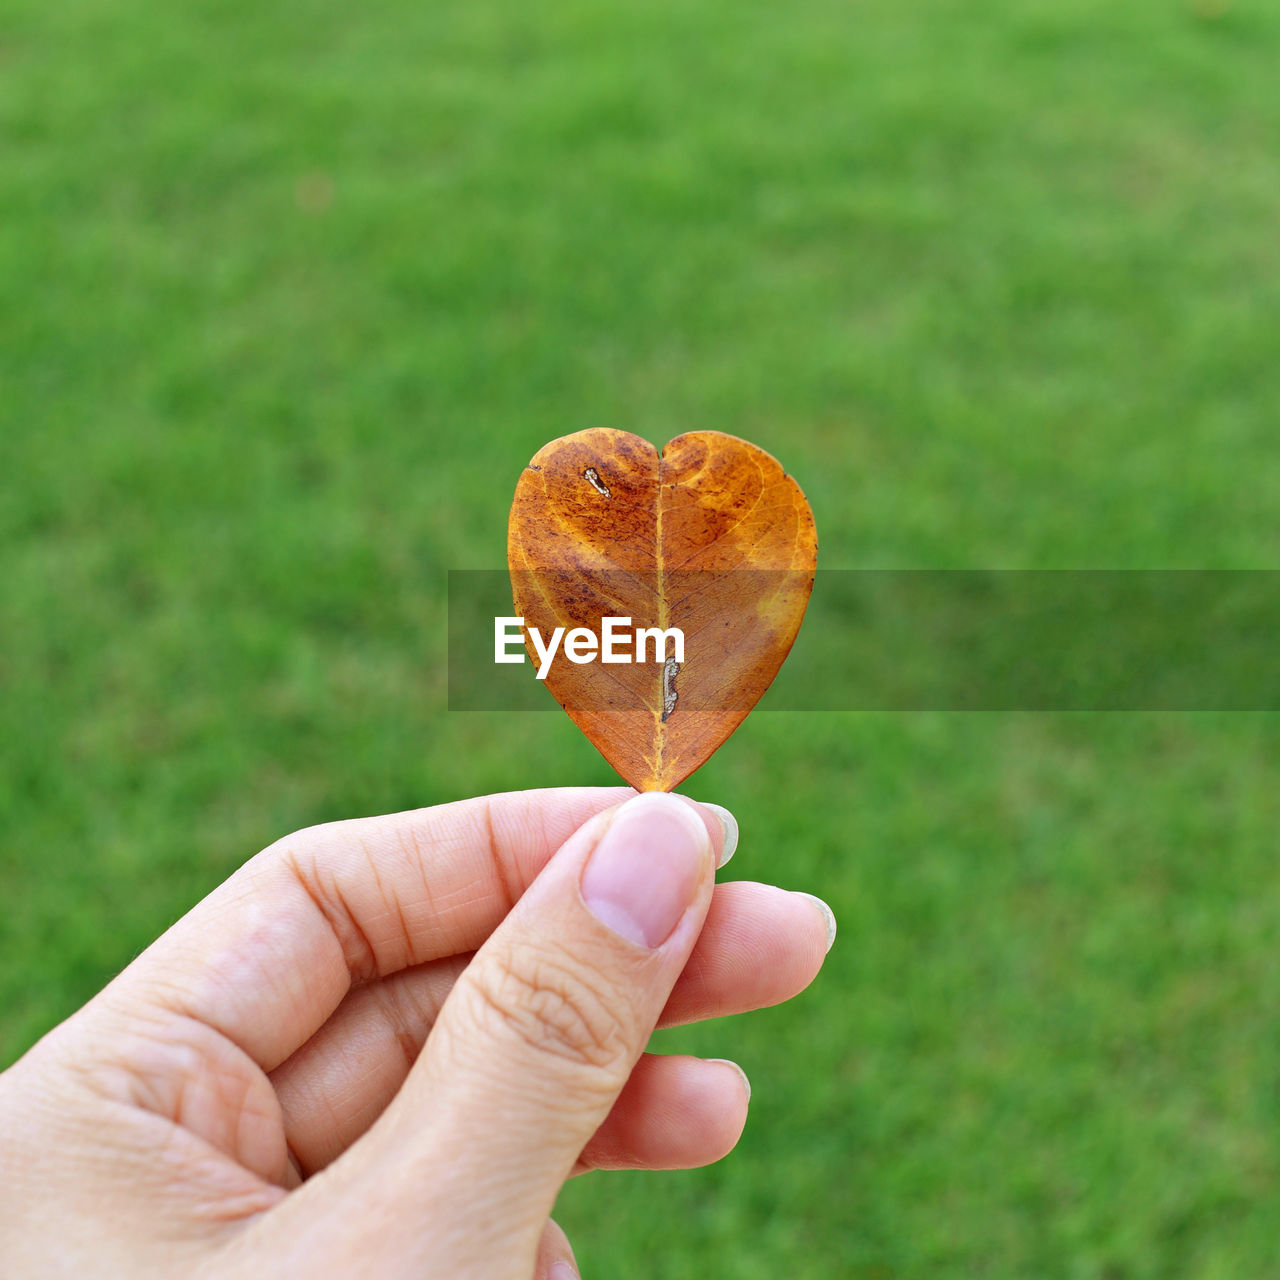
column 288, row 295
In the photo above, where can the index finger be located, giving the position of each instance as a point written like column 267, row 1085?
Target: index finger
column 268, row 956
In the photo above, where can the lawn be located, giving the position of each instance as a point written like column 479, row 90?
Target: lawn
column 289, row 294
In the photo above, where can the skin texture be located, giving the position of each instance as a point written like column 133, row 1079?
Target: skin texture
column 711, row 535
column 382, row 1046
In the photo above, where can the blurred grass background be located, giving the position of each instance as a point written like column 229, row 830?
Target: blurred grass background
column 289, row 295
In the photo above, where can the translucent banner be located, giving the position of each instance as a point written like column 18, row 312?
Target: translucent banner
column 895, row 640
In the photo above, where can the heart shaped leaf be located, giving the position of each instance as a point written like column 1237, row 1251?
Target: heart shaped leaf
column 710, row 537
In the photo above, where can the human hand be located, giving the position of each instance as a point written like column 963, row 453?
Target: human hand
column 382, row 1046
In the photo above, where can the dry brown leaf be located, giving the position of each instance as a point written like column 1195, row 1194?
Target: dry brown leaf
column 710, row 536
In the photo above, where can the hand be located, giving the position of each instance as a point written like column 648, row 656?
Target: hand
column 382, row 1046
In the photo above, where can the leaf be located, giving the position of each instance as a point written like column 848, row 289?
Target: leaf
column 711, row 536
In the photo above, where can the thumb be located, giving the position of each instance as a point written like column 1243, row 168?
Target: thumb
column 541, row 1031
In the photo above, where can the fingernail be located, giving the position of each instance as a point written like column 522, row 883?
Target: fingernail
column 644, row 873
column 827, row 914
column 562, row 1271
column 746, row 1084
column 729, row 824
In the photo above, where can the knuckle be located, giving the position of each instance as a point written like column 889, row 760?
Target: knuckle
column 309, row 858
column 556, row 1008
